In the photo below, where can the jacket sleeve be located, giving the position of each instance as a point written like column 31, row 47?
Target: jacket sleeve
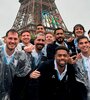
column 23, row 65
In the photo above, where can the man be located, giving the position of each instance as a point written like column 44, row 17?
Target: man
column 59, row 41
column 40, row 29
column 78, row 31
column 25, row 44
column 83, row 63
column 30, row 91
column 57, row 79
column 49, row 38
column 12, row 62
column 37, row 53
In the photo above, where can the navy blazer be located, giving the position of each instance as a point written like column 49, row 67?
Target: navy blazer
column 73, row 48
column 66, row 89
column 49, row 87
column 51, row 49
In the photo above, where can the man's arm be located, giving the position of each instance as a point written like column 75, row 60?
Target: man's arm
column 24, row 64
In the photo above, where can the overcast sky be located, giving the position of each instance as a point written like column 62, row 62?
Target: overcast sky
column 72, row 12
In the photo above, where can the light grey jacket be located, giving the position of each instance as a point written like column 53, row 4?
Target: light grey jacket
column 81, row 73
column 20, row 66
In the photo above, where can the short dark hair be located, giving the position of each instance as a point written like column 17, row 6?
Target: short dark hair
column 23, row 31
column 78, row 25
column 82, row 37
column 61, row 48
column 11, row 30
column 58, row 29
column 40, row 25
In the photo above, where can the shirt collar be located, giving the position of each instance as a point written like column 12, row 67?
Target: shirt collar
column 84, row 57
column 6, row 52
column 60, row 76
column 61, row 44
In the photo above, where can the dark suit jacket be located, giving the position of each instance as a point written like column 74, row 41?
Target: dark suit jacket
column 49, row 87
column 66, row 89
column 51, row 49
column 73, row 48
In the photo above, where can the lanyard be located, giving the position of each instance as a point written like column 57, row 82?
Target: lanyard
column 6, row 61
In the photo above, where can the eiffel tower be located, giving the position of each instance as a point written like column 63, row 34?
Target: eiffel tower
column 33, row 12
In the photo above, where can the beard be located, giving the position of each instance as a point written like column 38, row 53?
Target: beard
column 60, row 40
column 11, row 49
column 40, row 46
column 60, row 64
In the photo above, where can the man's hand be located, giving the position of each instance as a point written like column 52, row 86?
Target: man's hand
column 73, row 59
column 35, row 74
column 29, row 48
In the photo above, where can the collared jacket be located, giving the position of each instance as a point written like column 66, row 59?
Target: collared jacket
column 49, row 87
column 82, row 74
column 51, row 49
column 66, row 89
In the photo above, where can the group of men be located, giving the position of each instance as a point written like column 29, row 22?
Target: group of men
column 59, row 70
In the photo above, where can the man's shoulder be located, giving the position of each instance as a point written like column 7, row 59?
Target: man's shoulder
column 20, row 54
column 52, row 44
column 46, row 65
column 79, row 61
column 69, row 65
column 70, row 43
column 71, row 68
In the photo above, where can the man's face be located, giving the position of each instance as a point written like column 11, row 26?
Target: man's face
column 79, row 31
column 49, row 38
column 11, row 40
column 39, row 42
column 61, row 57
column 59, row 36
column 40, row 29
column 25, row 37
column 84, row 45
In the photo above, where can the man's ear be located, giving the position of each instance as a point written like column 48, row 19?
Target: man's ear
column 5, row 39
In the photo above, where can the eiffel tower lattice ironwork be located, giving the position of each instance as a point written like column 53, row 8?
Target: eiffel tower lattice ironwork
column 33, row 12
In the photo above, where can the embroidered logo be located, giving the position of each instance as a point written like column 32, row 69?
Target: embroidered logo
column 53, row 76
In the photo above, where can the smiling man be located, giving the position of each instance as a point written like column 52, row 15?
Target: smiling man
column 37, row 52
column 57, row 78
column 83, row 63
column 25, row 42
column 12, row 62
column 78, row 30
column 59, row 34
column 40, row 29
